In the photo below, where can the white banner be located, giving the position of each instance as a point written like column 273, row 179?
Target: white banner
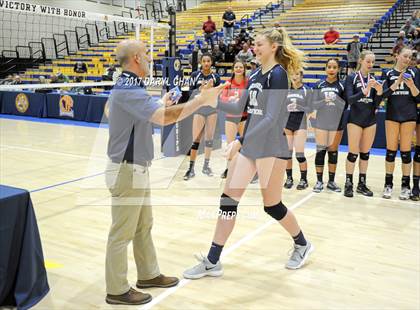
column 19, row 6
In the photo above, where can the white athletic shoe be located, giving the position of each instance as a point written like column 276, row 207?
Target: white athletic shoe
column 405, row 193
column 299, row 255
column 204, row 268
column 387, row 194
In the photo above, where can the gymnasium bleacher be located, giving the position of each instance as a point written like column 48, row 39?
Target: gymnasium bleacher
column 306, row 23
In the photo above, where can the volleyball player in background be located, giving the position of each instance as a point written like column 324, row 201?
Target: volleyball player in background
column 401, row 87
column 234, row 123
column 329, row 106
column 264, row 149
column 415, row 193
column 205, row 119
column 363, row 94
column 298, row 105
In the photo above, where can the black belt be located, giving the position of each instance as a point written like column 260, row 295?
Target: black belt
column 144, row 163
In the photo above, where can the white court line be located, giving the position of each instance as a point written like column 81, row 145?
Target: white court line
column 232, row 248
column 51, row 152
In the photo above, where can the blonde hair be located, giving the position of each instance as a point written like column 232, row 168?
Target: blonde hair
column 292, row 59
column 362, row 57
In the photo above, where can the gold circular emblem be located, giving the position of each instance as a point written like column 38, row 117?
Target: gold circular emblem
column 177, row 64
column 22, row 103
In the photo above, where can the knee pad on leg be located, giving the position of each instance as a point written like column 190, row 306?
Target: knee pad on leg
column 320, row 156
column 332, row 157
column 364, row 156
column 209, row 143
column 390, row 156
column 277, row 212
column 300, row 157
column 228, row 207
column 417, row 154
column 195, row 145
column 351, row 157
column 406, row 157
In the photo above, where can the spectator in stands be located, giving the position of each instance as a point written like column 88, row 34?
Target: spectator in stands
column 399, row 44
column 80, row 67
column 80, row 89
column 276, row 25
column 205, row 48
column 8, row 80
column 408, row 28
column 17, row 80
column 209, row 29
column 354, row 48
column 110, row 73
column 245, row 55
column 222, row 46
column 62, row 78
column 401, row 35
column 43, row 80
column 415, row 19
column 237, row 45
column 217, row 54
column 229, row 20
column 254, row 64
column 331, row 37
column 230, row 53
column 243, row 36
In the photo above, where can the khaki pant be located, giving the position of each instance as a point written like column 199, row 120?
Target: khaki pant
column 132, row 220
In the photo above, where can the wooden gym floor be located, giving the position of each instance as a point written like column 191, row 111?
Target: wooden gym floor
column 367, row 252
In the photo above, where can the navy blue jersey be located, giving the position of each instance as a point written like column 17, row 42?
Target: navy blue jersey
column 298, row 102
column 401, row 105
column 265, row 102
column 196, row 80
column 328, row 101
column 362, row 108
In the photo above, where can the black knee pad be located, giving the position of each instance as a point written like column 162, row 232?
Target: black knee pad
column 209, row 143
column 417, row 154
column 320, row 156
column 195, row 145
column 300, row 157
column 364, row 156
column 332, row 157
column 351, row 157
column 406, row 157
column 277, row 212
column 228, row 207
column 390, row 156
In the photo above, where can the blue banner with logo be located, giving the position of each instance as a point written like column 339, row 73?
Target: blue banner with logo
column 23, row 103
column 68, row 106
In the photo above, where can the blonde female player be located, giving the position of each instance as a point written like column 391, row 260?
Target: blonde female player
column 329, row 105
column 363, row 94
column 263, row 149
column 401, row 87
column 234, row 124
column 205, row 119
column 298, row 103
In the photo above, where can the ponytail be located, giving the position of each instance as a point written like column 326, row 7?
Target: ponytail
column 287, row 55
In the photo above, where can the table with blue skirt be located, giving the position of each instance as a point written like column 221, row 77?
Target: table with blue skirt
column 64, row 105
column 23, row 278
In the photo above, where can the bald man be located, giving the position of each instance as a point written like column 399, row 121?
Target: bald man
column 130, row 150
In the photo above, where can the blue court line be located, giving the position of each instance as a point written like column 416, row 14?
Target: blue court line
column 66, row 182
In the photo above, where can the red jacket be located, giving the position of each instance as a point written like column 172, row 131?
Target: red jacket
column 331, row 36
column 209, row 26
column 229, row 91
